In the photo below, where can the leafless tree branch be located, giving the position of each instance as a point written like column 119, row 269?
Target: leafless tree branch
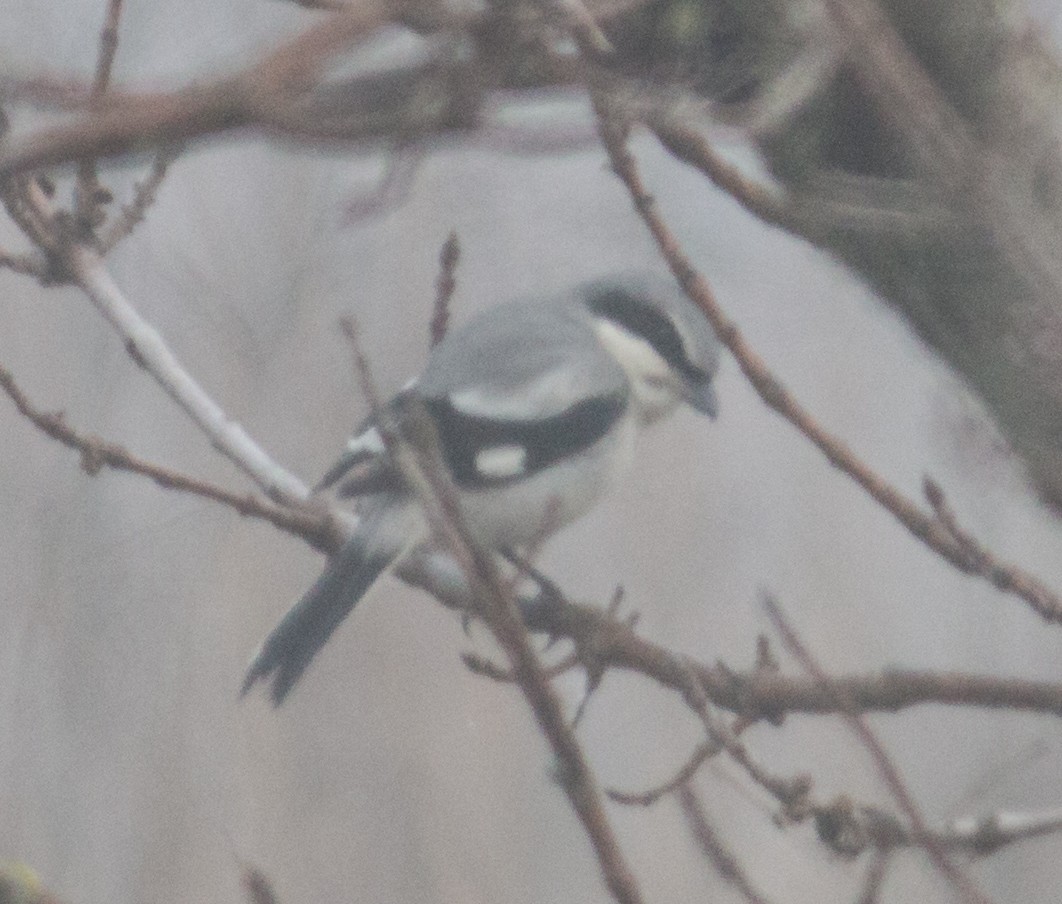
column 713, row 848
column 87, row 270
column 927, row 529
column 886, row 768
column 97, row 453
column 27, row 264
column 144, row 195
column 768, row 695
column 89, row 194
column 411, row 441
column 444, row 287
column 850, row 829
column 703, row 752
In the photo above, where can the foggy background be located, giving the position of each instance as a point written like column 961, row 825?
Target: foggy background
column 128, row 769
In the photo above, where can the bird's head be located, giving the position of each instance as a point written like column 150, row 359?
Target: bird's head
column 661, row 340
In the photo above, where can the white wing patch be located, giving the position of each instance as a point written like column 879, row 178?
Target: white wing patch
column 550, row 394
column 501, row 462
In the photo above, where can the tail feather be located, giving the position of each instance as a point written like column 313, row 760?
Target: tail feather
column 292, row 645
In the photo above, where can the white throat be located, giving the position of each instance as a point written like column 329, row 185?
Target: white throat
column 655, row 387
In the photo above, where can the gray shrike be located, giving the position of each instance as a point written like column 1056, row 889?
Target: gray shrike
column 536, row 405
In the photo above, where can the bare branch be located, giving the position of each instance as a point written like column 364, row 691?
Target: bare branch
column 89, row 194
column 48, row 92
column 149, row 350
column 26, row 264
column 864, row 204
column 144, row 195
column 692, row 147
column 793, row 794
column 580, row 22
column 281, row 93
column 330, row 5
column 361, row 364
column 925, row 528
column 886, row 768
column 31, row 210
column 764, row 694
column 874, row 879
column 986, row 834
column 444, row 287
column 97, row 453
column 701, row 754
column 411, row 441
column 108, row 47
column 257, row 886
column 850, row 829
column 129, row 123
column 724, row 861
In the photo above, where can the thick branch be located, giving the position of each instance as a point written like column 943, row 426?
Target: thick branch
column 764, row 694
column 260, row 94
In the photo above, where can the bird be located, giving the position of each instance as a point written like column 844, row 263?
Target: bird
column 536, row 404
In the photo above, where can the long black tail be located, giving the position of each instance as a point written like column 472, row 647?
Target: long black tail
column 289, row 649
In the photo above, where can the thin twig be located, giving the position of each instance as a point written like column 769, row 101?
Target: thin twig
column 721, row 858
column 929, row 530
column 874, row 878
column 793, row 794
column 144, row 194
column 862, row 204
column 701, row 754
column 580, row 22
column 445, row 284
column 691, row 146
column 850, row 829
column 349, row 327
column 26, row 264
column 89, row 194
column 887, row 770
column 97, row 453
column 108, row 47
column 257, row 885
column 32, row 211
column 986, row 834
column 481, row 665
column 392, row 188
column 330, row 5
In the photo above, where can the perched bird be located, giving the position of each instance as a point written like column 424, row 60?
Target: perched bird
column 536, row 405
